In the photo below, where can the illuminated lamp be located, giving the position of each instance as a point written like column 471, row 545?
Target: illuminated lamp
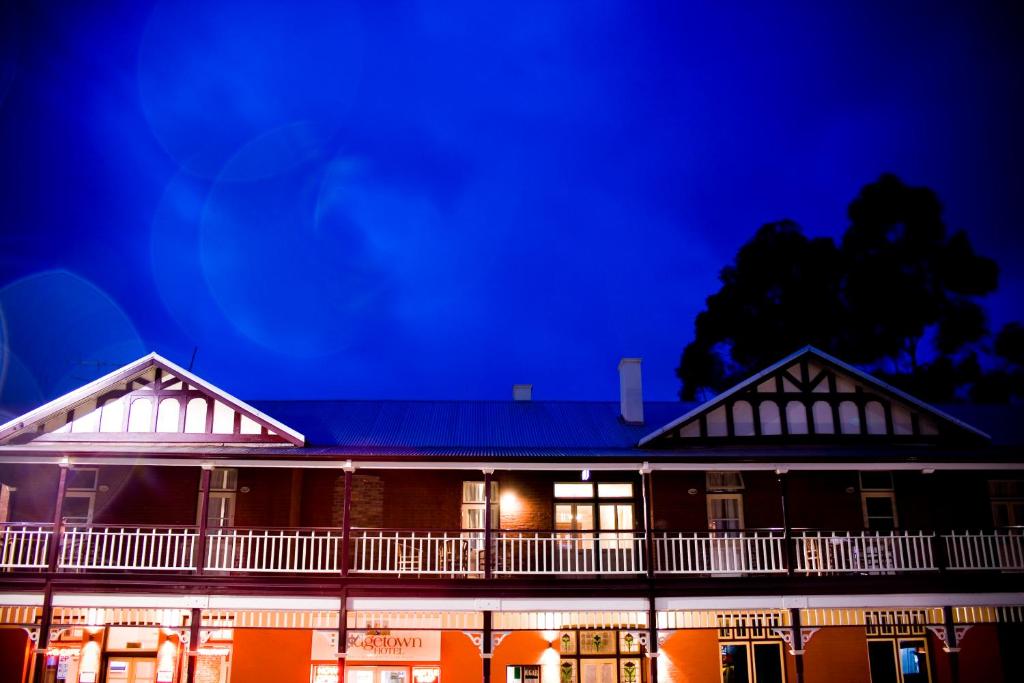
column 585, row 475
column 510, row 503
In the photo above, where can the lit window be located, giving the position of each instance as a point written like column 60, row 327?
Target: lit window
column 724, row 481
column 614, row 491
column 574, row 490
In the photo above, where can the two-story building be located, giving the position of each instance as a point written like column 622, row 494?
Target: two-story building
column 809, row 525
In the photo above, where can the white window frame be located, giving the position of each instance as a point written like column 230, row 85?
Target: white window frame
column 220, row 489
column 738, row 497
column 79, row 493
column 477, row 503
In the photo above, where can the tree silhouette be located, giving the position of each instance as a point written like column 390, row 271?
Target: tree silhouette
column 899, row 293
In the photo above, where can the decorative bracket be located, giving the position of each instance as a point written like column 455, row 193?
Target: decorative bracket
column 786, row 634
column 940, row 633
column 497, row 637
column 477, row 638
column 960, row 631
column 805, row 636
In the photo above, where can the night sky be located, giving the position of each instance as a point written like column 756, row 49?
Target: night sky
column 437, row 200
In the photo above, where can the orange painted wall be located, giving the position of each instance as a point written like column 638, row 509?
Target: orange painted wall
column 837, row 655
column 460, row 659
column 690, row 657
column 265, row 655
column 520, row 647
column 14, row 654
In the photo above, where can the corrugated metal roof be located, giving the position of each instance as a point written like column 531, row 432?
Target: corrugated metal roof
column 468, row 424
column 525, row 425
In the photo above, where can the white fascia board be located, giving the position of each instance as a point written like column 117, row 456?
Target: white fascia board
column 111, row 600
column 367, row 604
column 55, row 458
column 887, row 600
column 243, row 602
column 21, row 599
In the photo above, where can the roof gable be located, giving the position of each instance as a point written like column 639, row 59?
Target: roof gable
column 151, row 400
column 811, row 396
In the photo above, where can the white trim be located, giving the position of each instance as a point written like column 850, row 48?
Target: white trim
column 826, row 601
column 72, row 398
column 21, row 599
column 63, row 457
column 246, row 602
column 106, row 600
column 499, row 605
column 810, row 350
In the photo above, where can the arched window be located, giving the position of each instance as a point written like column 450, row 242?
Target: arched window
column 822, row 413
column 195, row 416
column 796, row 417
column 167, row 415
column 849, row 418
column 140, row 416
column 743, row 418
column 874, row 413
column 112, row 417
column 771, row 422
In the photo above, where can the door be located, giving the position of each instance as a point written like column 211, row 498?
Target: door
column 131, row 670
column 576, row 517
column 598, row 671
column 882, row 661
column 725, row 519
column 735, row 663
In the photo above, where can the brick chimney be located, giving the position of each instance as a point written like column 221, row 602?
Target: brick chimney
column 522, row 392
column 631, row 393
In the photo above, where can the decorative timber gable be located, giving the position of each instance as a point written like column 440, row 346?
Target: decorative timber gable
column 149, row 401
column 811, row 396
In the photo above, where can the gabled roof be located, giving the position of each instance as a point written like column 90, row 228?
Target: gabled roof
column 79, row 415
column 858, row 388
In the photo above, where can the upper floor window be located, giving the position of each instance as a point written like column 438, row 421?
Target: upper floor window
column 223, row 492
column 80, row 495
column 724, row 481
column 878, row 500
column 474, row 504
column 1007, row 499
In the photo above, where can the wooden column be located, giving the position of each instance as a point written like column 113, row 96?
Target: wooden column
column 798, row 644
column 652, row 647
column 782, row 477
column 346, row 521
column 647, row 490
column 58, row 520
column 343, row 628
column 204, row 513
column 45, row 623
column 487, row 531
column 952, row 648
column 485, row 647
column 194, row 632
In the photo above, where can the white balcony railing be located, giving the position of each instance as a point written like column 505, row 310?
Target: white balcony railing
column 312, row 551
column 863, row 552
column 1002, row 550
column 414, row 553
column 723, row 553
column 568, row 552
column 24, row 546
column 136, row 548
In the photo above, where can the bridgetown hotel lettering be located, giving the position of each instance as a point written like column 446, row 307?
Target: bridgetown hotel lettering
column 382, row 643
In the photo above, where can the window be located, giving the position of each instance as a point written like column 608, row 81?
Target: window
column 1007, row 500
column 725, row 511
column 599, row 656
column 752, row 662
column 723, row 481
column 578, row 509
column 473, row 505
column 80, row 495
column 878, row 501
column 223, row 489
column 899, row 660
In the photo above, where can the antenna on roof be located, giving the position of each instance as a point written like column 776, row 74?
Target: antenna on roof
column 195, row 350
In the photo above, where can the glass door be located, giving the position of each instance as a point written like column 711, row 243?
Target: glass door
column 598, row 671
column 131, row 670
column 725, row 519
column 576, row 517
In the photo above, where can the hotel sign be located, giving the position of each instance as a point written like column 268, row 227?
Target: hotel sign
column 393, row 646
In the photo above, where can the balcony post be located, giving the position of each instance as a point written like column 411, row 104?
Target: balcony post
column 487, row 531
column 192, row 653
column 346, row 520
column 343, row 629
column 204, row 514
column 652, row 647
column 485, row 646
column 782, row 477
column 647, row 490
column 952, row 646
column 45, row 622
column 797, row 646
column 58, row 520
column 938, row 544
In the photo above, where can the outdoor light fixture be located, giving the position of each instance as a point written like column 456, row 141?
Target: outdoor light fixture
column 585, row 475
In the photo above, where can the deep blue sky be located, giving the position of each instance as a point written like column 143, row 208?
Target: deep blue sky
column 437, row 200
